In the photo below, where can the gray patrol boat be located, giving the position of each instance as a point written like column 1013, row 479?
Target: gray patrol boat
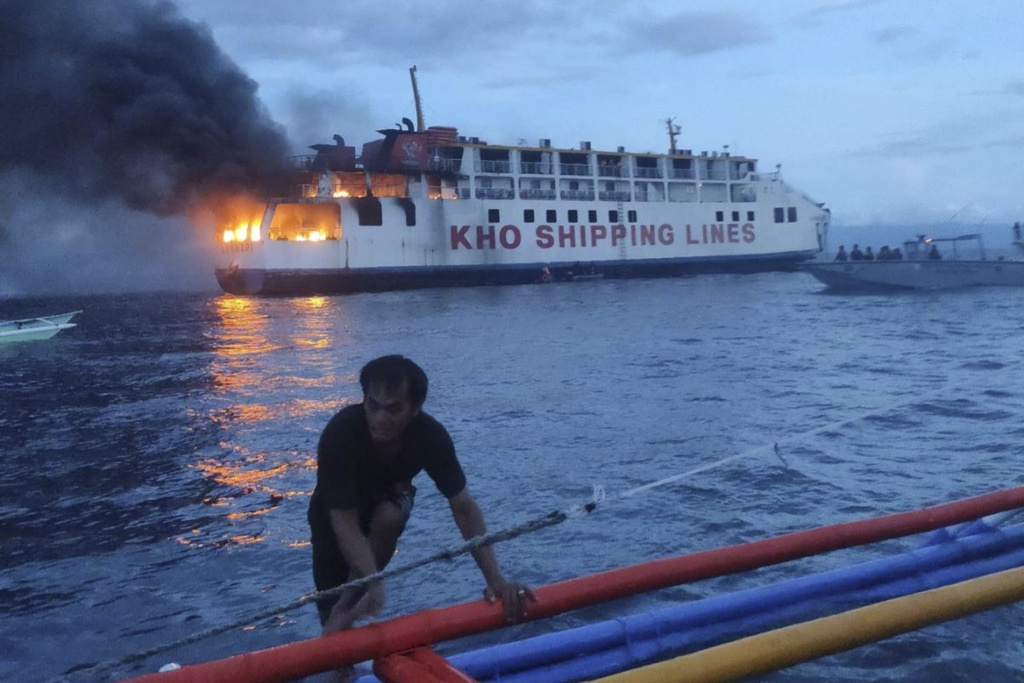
column 960, row 262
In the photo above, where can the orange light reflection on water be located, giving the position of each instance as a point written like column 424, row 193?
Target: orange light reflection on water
column 273, row 366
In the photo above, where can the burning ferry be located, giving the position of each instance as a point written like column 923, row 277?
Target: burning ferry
column 428, row 207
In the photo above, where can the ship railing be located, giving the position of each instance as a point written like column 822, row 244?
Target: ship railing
column 773, row 176
column 495, row 193
column 535, row 167
column 642, row 172
column 714, row 174
column 642, row 196
column 613, row 196
column 681, row 173
column 574, row 169
column 613, row 171
column 465, row 193
column 532, row 193
column 494, row 166
column 579, row 195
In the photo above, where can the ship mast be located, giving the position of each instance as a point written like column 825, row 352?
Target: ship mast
column 673, row 130
column 416, row 96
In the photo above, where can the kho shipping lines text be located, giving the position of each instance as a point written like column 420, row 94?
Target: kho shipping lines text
column 547, row 236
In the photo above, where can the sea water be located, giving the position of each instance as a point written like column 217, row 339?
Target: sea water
column 156, row 461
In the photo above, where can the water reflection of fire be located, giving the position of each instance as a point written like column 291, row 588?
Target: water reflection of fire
column 269, row 370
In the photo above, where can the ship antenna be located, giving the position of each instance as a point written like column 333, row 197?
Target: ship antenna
column 673, row 130
column 416, row 97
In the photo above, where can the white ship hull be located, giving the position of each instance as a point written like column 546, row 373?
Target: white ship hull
column 457, row 229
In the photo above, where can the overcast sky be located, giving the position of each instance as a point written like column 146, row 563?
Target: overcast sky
column 889, row 111
column 893, row 113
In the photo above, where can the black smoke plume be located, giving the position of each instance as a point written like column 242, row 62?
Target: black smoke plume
column 127, row 100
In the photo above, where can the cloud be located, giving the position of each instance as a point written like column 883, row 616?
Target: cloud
column 1009, row 142
column 450, row 33
column 1015, row 87
column 892, row 34
column 840, row 7
column 690, row 33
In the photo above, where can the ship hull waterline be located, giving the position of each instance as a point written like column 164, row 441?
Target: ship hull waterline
column 328, row 281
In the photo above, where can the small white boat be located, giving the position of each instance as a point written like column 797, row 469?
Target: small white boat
column 922, row 268
column 35, row 329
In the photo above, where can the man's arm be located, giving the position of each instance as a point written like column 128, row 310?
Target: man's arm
column 470, row 521
column 356, row 550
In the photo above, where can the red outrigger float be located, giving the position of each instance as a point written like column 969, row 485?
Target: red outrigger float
column 411, row 636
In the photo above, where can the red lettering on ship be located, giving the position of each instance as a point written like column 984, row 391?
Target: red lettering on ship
column 510, row 237
column 665, row 234
column 572, row 236
column 647, row 235
column 720, row 233
column 545, row 240
column 566, row 235
column 484, row 236
column 618, row 233
column 459, row 237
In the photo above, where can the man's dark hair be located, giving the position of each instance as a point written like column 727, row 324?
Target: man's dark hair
column 393, row 371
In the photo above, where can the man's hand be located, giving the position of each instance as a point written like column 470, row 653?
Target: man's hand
column 514, row 598
column 369, row 605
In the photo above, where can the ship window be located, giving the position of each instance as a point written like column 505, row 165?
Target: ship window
column 369, row 211
column 735, row 216
column 719, row 216
column 792, row 214
column 613, row 216
column 750, row 215
column 592, row 215
column 493, row 216
column 780, row 214
column 574, row 185
column 528, row 215
column 632, row 215
column 574, row 216
column 552, row 216
column 300, row 222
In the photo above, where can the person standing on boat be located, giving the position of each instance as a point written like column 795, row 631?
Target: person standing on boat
column 933, row 254
column 869, row 255
column 367, row 457
column 841, row 254
column 856, row 254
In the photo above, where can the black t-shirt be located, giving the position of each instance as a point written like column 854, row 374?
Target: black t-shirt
column 349, row 475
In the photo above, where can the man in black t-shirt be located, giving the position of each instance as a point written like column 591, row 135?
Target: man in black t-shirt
column 367, row 457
